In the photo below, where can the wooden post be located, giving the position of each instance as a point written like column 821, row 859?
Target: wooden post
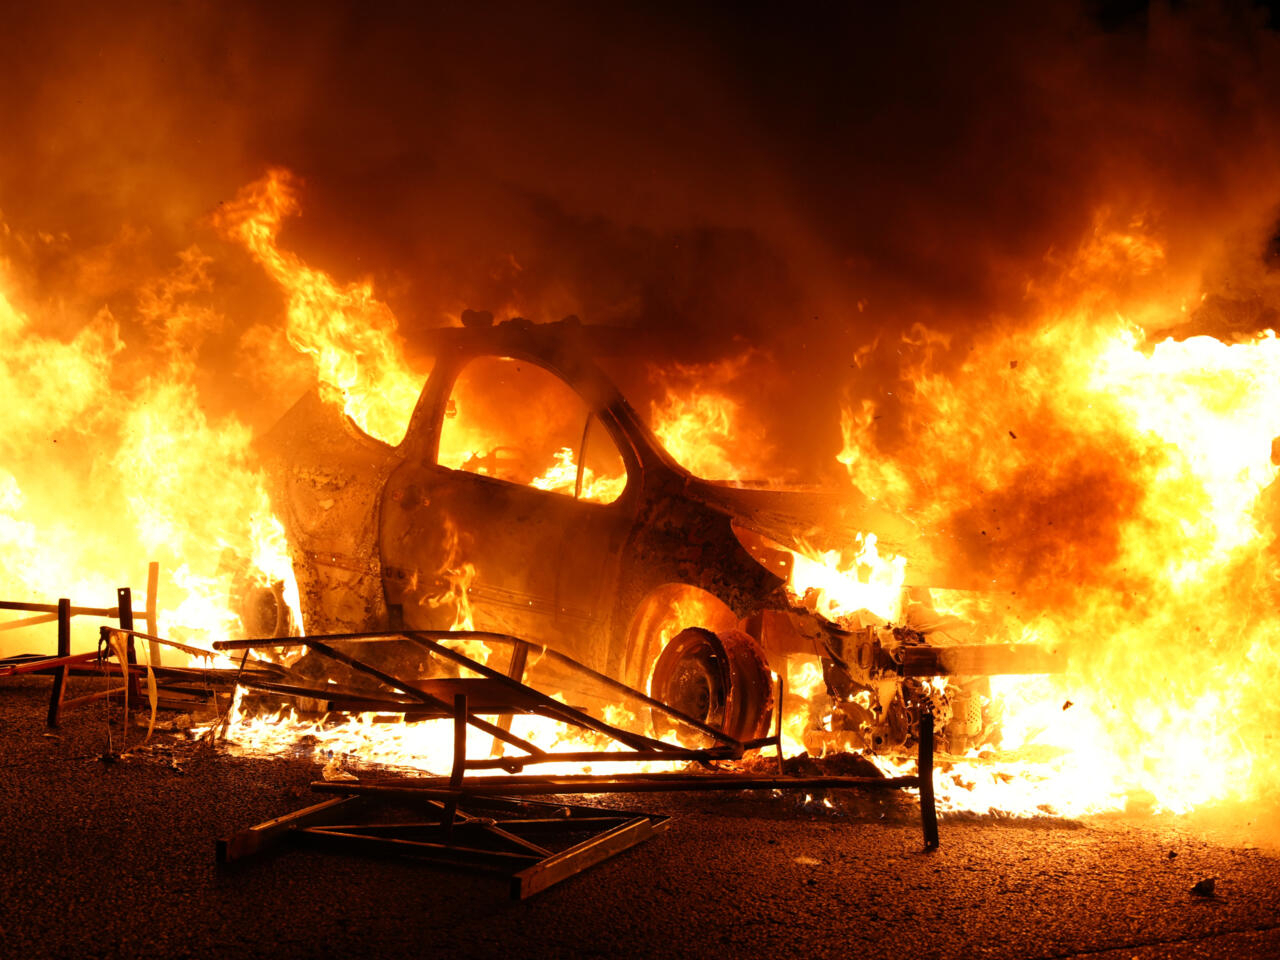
column 153, row 628
column 60, row 674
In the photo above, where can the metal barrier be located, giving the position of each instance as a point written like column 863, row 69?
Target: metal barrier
column 62, row 662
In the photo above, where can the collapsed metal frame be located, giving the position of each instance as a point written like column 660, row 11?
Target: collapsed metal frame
column 177, row 688
column 533, row 843
column 498, row 693
column 493, row 692
column 63, row 663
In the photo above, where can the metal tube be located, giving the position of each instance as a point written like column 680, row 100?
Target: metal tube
column 194, row 651
column 633, row 740
column 29, row 621
column 622, row 783
column 53, row 608
column 598, row 756
column 487, row 636
column 924, row 773
column 47, row 663
column 397, row 684
column 60, row 676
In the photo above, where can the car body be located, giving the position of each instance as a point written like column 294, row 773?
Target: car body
column 426, row 534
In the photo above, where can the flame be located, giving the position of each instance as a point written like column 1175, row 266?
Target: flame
column 349, row 333
column 841, row 584
column 109, row 458
column 1115, row 490
column 697, row 429
column 1125, row 490
column 563, row 478
column 703, row 425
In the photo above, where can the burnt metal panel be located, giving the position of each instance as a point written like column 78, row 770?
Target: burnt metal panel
column 325, row 477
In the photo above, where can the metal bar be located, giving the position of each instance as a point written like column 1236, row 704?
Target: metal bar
column 332, row 695
column 194, row 651
column 403, row 686
column 484, row 824
column 422, row 849
column 489, row 826
column 924, row 772
column 53, row 608
column 425, row 638
column 200, row 675
column 513, row 764
column 459, row 763
column 579, row 857
column 213, row 674
column 539, row 824
column 782, row 696
column 124, row 600
column 60, row 675
column 41, row 664
column 552, row 824
column 254, row 643
column 620, row 783
column 505, row 808
column 519, row 658
column 485, row 635
column 573, row 715
column 177, row 704
column 90, row 697
column 267, row 834
column 28, row 622
column 608, row 681
column 497, row 831
column 604, row 679
column 20, row 658
column 151, row 618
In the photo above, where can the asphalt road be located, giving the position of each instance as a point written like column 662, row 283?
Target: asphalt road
column 117, row 860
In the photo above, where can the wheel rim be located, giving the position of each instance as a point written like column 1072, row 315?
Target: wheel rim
column 720, row 679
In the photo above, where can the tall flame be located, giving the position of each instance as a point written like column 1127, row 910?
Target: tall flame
column 109, row 458
column 1120, row 495
column 344, row 328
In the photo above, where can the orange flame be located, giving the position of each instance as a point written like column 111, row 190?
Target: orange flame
column 345, row 329
column 1126, row 492
column 110, row 459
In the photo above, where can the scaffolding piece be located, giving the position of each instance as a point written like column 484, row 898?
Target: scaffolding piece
column 62, row 663
column 534, row 844
column 504, row 693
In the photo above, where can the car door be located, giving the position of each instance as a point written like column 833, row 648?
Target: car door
column 516, row 523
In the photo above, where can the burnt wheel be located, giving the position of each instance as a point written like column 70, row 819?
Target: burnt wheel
column 264, row 612
column 720, row 679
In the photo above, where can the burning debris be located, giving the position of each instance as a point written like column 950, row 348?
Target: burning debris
column 458, row 837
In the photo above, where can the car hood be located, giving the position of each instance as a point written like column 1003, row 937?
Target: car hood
column 828, row 519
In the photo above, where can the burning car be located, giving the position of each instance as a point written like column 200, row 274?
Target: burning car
column 528, row 498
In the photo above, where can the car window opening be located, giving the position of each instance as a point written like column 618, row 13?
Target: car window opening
column 519, row 423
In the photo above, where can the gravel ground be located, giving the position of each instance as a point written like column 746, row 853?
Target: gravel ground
column 117, row 860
